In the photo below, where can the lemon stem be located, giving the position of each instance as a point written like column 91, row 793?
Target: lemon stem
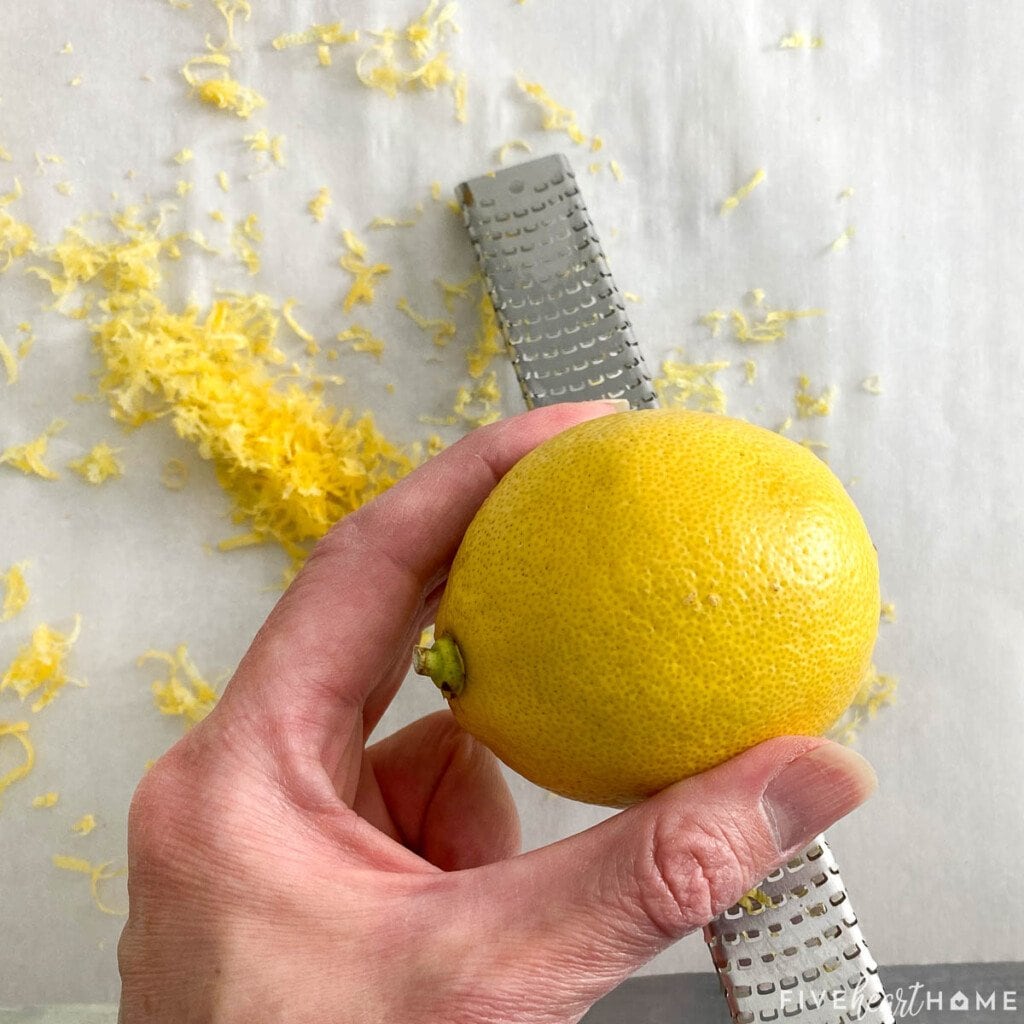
column 443, row 663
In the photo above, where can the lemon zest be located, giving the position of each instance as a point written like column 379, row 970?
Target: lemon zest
column 755, row 901
column 392, row 222
column 364, row 274
column 441, row 330
column 888, row 611
column 503, row 152
column 97, row 873
column 40, row 664
column 45, row 799
column 847, row 193
column 84, row 825
column 323, row 35
column 487, row 342
column 263, row 142
column 731, row 202
column 692, row 385
column 174, row 475
column 877, row 691
column 800, row 40
column 223, row 181
column 312, row 348
column 183, row 156
column 10, row 362
column 319, row 204
column 244, row 237
column 872, row 385
column 99, row 465
column 184, row 692
column 749, row 371
column 807, row 404
column 16, row 592
column 17, row 239
column 363, row 340
column 19, row 732
column 613, row 166
column 353, row 244
column 555, row 116
column 843, row 240
column 453, row 290
column 28, row 457
column 223, row 92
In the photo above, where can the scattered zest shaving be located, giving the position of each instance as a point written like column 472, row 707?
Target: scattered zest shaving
column 183, row 156
column 243, row 240
column 19, row 732
column 557, row 118
column 503, row 151
column 84, row 825
column 807, row 404
column 799, row 41
column 487, row 343
column 16, row 592
column 613, row 166
column 771, row 327
column 184, row 692
column 877, row 690
column 97, row 873
column 843, row 240
column 40, row 665
column 321, row 36
column 755, row 901
column 440, row 329
column 731, row 202
column 9, row 361
column 872, row 385
column 888, row 612
column 364, row 274
column 749, row 371
column 452, row 290
column 392, row 222
column 45, row 799
column 692, row 385
column 223, row 181
column 319, row 204
column 16, row 239
column 353, row 244
column 312, row 348
column 363, row 340
column 847, row 193
column 263, row 142
column 100, row 465
column 29, row 457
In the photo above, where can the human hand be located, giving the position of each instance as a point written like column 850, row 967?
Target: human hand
column 281, row 870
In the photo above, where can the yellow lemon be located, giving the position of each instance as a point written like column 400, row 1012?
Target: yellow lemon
column 649, row 593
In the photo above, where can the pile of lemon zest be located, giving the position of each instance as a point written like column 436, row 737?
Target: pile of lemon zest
column 799, row 41
column 45, row 799
column 263, row 142
column 503, row 151
column 713, row 321
column 888, row 611
column 441, row 330
column 223, row 181
column 487, row 342
column 749, row 371
column 97, row 873
column 84, row 825
column 872, row 385
column 17, row 239
column 877, row 690
column 392, row 222
column 353, row 244
column 19, row 732
column 9, row 361
column 556, row 118
column 29, row 457
column 363, row 340
column 613, row 166
column 223, row 92
column 691, row 385
column 324, row 35
column 16, row 592
column 364, row 274
column 99, row 465
column 807, row 404
column 319, row 204
column 183, row 156
column 40, row 664
column 755, row 901
column 843, row 240
column 243, row 237
column 731, row 202
column 452, row 290
column 174, row 475
column 847, row 193
column 184, row 692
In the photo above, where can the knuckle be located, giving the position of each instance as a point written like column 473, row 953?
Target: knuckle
column 696, row 869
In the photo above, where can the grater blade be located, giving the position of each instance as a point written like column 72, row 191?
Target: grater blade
column 569, row 338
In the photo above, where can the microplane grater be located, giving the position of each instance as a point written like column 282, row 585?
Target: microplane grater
column 565, row 325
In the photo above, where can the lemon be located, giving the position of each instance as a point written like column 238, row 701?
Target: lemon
column 648, row 594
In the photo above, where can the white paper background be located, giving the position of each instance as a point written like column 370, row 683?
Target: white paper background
column 916, row 106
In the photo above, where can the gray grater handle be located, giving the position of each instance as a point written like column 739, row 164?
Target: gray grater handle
column 564, row 321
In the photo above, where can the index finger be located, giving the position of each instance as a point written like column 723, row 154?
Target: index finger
column 344, row 630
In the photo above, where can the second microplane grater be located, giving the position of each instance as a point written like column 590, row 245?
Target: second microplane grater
column 564, row 321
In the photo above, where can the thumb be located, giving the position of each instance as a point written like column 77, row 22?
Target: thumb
column 593, row 908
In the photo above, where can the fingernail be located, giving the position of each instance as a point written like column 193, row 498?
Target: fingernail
column 815, row 790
